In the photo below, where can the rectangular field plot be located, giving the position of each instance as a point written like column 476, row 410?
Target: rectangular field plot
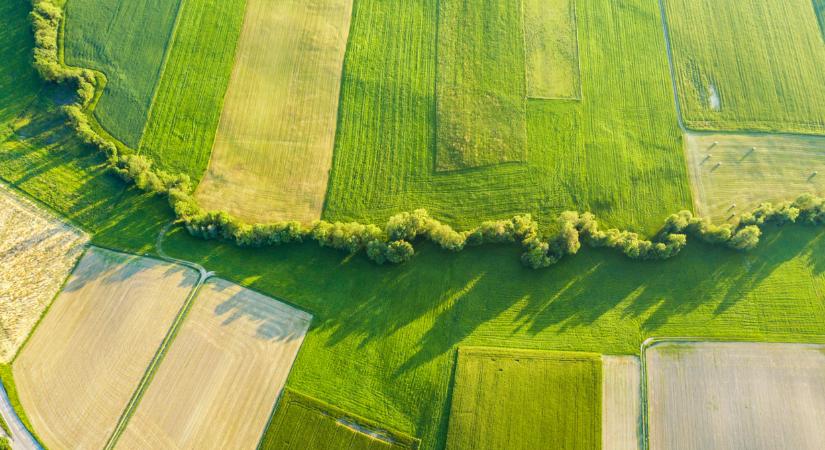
column 551, row 49
column 127, row 41
column 38, row 252
column 748, row 396
column 86, row 358
column 480, row 87
column 521, row 399
column 273, row 148
column 621, row 403
column 748, row 169
column 304, row 423
column 748, row 65
column 223, row 372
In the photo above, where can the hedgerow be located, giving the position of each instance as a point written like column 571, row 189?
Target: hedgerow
column 393, row 242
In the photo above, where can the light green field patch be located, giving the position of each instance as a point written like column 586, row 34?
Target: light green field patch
column 748, row 65
column 127, row 41
column 304, row 423
column 520, row 399
column 273, row 148
column 481, row 93
column 748, row 169
column 552, row 49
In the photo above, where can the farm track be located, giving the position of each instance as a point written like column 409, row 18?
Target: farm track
column 21, row 438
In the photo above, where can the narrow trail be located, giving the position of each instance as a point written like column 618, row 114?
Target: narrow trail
column 20, row 437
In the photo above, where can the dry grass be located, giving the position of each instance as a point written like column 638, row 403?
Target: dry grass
column 37, row 253
column 84, row 361
column 223, row 373
column 621, row 403
column 551, row 49
column 748, row 396
column 731, row 172
column 273, row 150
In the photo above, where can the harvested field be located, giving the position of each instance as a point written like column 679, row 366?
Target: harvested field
column 273, row 149
column 83, row 362
column 749, row 396
column 522, row 399
column 304, row 423
column 551, row 49
column 38, row 252
column 621, row 403
column 747, row 169
column 230, row 358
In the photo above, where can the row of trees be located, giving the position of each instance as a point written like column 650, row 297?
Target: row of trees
column 392, row 243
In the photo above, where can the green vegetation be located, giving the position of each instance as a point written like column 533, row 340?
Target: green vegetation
column 481, row 93
column 552, row 49
column 181, row 128
column 819, row 10
column 521, row 399
column 126, row 41
column 301, row 422
column 4, row 443
column 18, row 81
column 11, row 389
column 748, row 65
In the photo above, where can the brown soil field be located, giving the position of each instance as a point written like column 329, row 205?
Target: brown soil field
column 748, row 396
column 37, row 252
column 621, row 403
column 221, row 376
column 85, row 359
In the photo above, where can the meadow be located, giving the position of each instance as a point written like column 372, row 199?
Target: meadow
column 516, row 399
column 127, row 41
column 753, row 66
column 551, row 49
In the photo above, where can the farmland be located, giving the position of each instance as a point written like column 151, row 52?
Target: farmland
column 274, row 143
column 38, row 253
column 519, row 399
column 551, row 49
column 732, row 173
column 304, row 423
column 621, row 403
column 230, row 358
column 736, row 395
column 748, row 65
column 83, row 362
column 126, row 41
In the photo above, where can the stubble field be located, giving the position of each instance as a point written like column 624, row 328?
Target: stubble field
column 621, row 403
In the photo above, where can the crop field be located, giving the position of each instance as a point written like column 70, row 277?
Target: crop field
column 230, row 358
column 85, row 359
column 621, row 403
column 551, row 49
column 38, row 252
column 481, row 92
column 274, row 143
column 732, row 173
column 735, row 395
column 304, row 423
column 520, row 399
column 126, row 41
column 748, row 65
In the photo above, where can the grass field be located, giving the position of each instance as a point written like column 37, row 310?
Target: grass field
column 621, row 403
column 551, row 49
column 18, row 80
column 38, row 252
column 181, row 129
column 230, row 359
column 518, row 399
column 735, row 396
column 275, row 138
column 748, row 65
column 304, row 423
column 83, row 362
column 747, row 169
column 127, row 41
column 481, row 93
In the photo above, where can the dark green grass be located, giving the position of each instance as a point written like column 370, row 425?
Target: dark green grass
column 819, row 10
column 181, row 128
column 127, row 41
column 304, row 423
column 618, row 152
column 521, row 399
column 18, row 80
column 481, row 84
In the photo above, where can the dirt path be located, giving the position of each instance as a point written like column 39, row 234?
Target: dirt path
column 20, row 437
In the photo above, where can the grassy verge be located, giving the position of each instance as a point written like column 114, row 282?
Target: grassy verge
column 11, row 389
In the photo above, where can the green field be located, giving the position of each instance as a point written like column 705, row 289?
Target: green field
column 126, row 41
column 304, row 423
column 517, row 399
column 764, row 61
column 819, row 9
column 551, row 49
